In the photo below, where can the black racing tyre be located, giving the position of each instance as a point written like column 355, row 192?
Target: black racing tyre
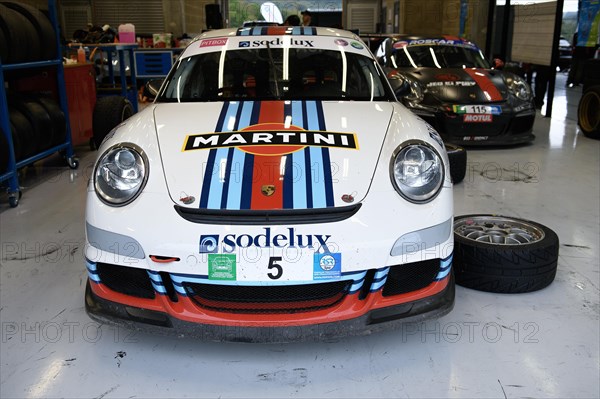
column 43, row 127
column 43, row 27
column 4, row 155
column 23, row 134
column 588, row 112
column 458, row 162
column 23, row 41
column 57, row 116
column 3, row 41
column 591, row 73
column 108, row 113
column 503, row 254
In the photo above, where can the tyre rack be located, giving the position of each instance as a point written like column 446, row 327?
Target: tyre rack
column 128, row 92
column 14, row 192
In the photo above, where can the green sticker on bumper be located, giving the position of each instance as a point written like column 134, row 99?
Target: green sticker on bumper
column 221, row 267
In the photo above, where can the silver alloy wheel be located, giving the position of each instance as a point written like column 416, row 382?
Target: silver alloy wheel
column 498, row 230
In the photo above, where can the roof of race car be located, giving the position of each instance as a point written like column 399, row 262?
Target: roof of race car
column 265, row 36
column 277, row 31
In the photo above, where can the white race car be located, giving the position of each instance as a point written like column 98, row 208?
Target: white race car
column 275, row 191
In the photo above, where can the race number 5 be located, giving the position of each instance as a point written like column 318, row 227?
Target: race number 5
column 274, row 275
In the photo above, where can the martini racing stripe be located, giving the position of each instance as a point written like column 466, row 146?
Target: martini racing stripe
column 327, row 175
column 157, row 282
column 235, row 179
column 379, row 279
column 267, row 167
column 208, row 172
column 299, row 185
column 235, row 185
column 218, row 173
column 304, row 30
column 227, row 178
column 92, row 271
column 266, row 170
column 277, row 30
column 317, row 181
column 246, row 182
column 445, row 268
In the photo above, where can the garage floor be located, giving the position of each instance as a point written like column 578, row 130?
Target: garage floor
column 542, row 344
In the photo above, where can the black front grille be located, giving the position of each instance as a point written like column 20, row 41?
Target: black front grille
column 452, row 125
column 522, row 124
column 267, row 299
column 410, row 277
column 455, row 126
column 126, row 280
column 269, row 217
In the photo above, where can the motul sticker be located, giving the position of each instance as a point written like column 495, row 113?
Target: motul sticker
column 477, row 118
column 213, row 42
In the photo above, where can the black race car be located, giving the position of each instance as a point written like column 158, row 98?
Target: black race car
column 448, row 82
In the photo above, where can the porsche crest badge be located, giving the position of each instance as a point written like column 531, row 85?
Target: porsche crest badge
column 268, row 189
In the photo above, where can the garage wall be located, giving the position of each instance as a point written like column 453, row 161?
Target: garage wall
column 195, row 15
column 533, row 32
column 431, row 17
column 436, row 17
column 361, row 14
column 175, row 16
column 116, row 12
column 186, row 16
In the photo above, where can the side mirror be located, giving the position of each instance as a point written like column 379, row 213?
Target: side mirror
column 497, row 63
column 400, row 85
column 152, row 87
column 402, row 89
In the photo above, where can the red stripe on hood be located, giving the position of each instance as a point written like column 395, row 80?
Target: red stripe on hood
column 266, row 170
column 485, row 84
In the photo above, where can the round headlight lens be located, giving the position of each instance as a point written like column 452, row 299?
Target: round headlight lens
column 418, row 172
column 120, row 175
column 518, row 87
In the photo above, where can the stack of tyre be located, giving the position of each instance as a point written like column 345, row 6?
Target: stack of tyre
column 37, row 123
column 26, row 34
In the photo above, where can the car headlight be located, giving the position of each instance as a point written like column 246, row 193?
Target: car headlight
column 518, row 87
column 417, row 171
column 120, row 174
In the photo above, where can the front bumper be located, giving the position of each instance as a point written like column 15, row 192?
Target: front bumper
column 391, row 317
column 506, row 129
column 149, row 268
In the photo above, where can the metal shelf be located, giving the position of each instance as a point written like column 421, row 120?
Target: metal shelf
column 11, row 173
column 120, row 50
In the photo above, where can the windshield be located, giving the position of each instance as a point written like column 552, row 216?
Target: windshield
column 438, row 56
column 275, row 73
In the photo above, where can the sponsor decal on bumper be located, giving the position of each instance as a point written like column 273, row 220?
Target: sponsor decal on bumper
column 477, row 109
column 477, row 118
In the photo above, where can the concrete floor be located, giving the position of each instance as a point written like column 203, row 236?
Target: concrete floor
column 542, row 344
